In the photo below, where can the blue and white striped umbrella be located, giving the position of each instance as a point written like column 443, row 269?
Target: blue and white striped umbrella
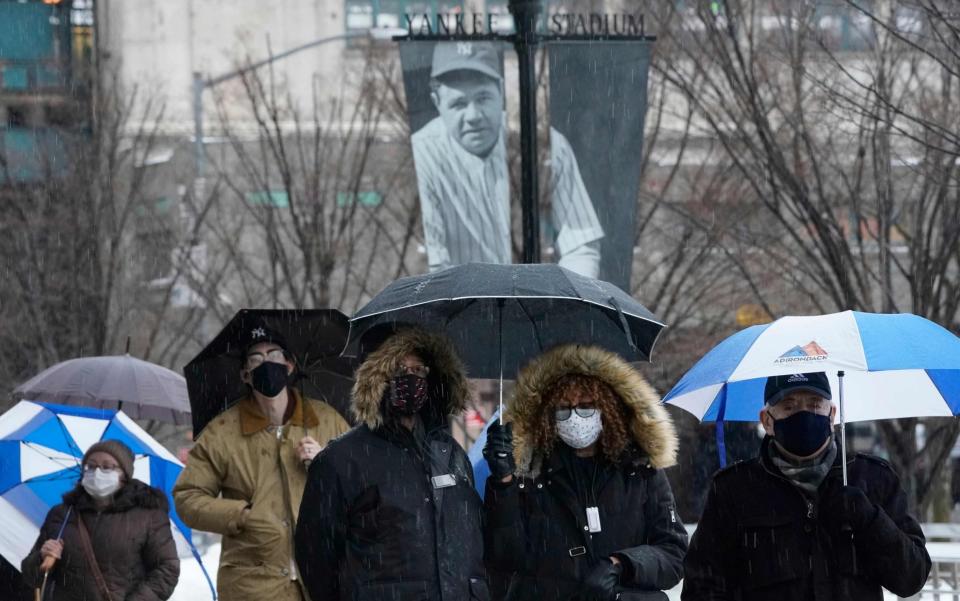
column 41, row 446
column 895, row 365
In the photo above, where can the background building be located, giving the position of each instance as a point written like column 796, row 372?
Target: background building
column 46, row 66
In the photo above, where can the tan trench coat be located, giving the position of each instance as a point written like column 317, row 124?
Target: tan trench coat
column 241, row 461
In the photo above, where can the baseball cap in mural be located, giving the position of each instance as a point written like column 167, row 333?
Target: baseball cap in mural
column 780, row 386
column 481, row 57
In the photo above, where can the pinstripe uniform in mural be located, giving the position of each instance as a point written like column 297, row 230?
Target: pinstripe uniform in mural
column 462, row 174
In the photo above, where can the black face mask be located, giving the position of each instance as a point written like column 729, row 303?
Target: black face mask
column 269, row 378
column 802, row 433
column 408, row 394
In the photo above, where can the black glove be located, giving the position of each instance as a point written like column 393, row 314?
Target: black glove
column 499, row 450
column 602, row 581
column 847, row 508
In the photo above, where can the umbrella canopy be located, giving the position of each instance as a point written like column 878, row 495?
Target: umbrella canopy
column 142, row 389
column 41, row 446
column 895, row 365
column 313, row 338
column 501, row 316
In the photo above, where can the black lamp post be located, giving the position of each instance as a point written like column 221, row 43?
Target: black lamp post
column 526, row 14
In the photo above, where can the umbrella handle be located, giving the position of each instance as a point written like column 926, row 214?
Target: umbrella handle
column 47, row 565
column 843, row 431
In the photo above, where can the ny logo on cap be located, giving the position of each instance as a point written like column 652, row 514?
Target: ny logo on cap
column 464, row 48
column 798, row 378
column 258, row 333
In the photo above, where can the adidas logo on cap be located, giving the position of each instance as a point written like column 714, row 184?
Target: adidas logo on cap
column 780, row 386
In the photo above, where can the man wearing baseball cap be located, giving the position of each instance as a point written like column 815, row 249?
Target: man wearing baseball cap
column 784, row 526
column 244, row 478
column 462, row 173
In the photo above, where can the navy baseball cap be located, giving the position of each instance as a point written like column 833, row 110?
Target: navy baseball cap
column 482, row 57
column 778, row 387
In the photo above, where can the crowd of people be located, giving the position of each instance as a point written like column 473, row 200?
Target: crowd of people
column 577, row 506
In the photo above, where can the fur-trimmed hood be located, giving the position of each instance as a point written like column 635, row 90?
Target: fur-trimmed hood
column 133, row 494
column 447, row 379
column 651, row 427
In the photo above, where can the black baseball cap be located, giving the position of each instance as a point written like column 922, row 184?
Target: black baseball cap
column 255, row 331
column 780, row 386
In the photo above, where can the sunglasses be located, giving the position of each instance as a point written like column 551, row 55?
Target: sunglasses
column 564, row 413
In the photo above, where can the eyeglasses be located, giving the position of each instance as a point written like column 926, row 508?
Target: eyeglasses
column 421, row 371
column 103, row 468
column 564, row 413
column 255, row 360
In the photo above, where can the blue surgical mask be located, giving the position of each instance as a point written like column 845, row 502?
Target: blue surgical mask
column 802, row 433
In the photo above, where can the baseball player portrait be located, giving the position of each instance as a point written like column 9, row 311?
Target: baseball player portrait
column 461, row 163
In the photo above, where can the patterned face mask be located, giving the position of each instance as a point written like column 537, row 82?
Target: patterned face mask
column 580, row 432
column 408, row 394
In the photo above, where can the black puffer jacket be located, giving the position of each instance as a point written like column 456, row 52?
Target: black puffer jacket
column 537, row 534
column 759, row 539
column 374, row 523
column 131, row 541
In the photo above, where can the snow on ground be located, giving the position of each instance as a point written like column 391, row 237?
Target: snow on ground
column 192, row 585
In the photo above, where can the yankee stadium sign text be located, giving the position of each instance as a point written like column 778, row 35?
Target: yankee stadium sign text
column 558, row 24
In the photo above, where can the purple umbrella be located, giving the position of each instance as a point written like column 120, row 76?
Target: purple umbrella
column 142, row 389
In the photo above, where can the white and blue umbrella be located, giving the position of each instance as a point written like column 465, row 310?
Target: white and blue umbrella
column 41, row 446
column 881, row 366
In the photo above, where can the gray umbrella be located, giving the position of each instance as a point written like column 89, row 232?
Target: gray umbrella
column 143, row 390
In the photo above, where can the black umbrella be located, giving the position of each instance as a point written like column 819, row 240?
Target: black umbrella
column 314, row 339
column 501, row 316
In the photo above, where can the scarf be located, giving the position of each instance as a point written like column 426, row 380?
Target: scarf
column 805, row 475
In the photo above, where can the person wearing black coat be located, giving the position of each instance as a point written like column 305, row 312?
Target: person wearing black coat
column 782, row 526
column 578, row 507
column 390, row 511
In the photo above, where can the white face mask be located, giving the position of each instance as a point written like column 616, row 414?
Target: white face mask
column 101, row 484
column 580, row 432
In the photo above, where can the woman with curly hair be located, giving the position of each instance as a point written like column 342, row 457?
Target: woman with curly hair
column 578, row 507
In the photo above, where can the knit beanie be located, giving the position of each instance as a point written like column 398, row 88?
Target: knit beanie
column 118, row 451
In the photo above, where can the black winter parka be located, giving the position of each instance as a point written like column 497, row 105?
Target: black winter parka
column 393, row 515
column 538, row 529
column 538, row 544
